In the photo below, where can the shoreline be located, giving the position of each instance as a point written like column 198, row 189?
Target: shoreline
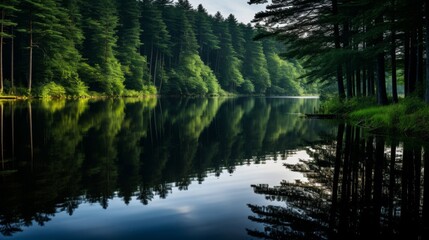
column 408, row 118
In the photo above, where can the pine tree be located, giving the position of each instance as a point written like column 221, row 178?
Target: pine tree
column 255, row 66
column 191, row 76
column 226, row 63
column 155, row 37
column 7, row 9
column 50, row 33
column 133, row 64
column 99, row 47
column 237, row 36
column 207, row 40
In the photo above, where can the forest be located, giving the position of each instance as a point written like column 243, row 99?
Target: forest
column 361, row 46
column 57, row 48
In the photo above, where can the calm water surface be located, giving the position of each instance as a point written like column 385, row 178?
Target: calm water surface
column 244, row 168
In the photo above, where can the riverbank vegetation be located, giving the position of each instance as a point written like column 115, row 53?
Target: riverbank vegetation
column 372, row 48
column 57, row 48
column 408, row 117
column 373, row 52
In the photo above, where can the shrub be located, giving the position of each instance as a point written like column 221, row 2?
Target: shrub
column 52, row 90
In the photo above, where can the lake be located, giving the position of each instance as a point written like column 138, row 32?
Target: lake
column 204, row 168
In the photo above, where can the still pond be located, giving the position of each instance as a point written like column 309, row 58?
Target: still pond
column 215, row 168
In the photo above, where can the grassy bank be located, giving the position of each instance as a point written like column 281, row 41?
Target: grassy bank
column 409, row 117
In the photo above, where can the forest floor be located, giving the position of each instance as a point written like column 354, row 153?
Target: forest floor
column 409, row 117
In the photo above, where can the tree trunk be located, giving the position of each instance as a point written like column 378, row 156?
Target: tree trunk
column 349, row 72
column 12, row 59
column 371, row 77
column 393, row 54
column 364, row 81
column 381, row 74
column 156, row 68
column 358, row 82
column 412, row 73
column 427, row 50
column 1, row 50
column 30, row 73
column 340, row 81
column 151, row 61
column 394, row 67
column 162, row 76
column 406, row 64
column 419, row 70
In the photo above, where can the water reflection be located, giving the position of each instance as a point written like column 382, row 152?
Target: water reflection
column 354, row 187
column 65, row 153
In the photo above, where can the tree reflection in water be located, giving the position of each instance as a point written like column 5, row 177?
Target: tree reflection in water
column 356, row 187
column 67, row 153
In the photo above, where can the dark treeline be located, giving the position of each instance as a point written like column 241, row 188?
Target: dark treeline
column 130, row 47
column 358, row 187
column 362, row 44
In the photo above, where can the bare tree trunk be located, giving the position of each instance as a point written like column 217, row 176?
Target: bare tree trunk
column 393, row 55
column 151, row 60
column 381, row 74
column 412, row 64
column 394, row 74
column 364, row 81
column 1, row 50
column 419, row 70
column 340, row 81
column 358, row 82
column 162, row 76
column 427, row 50
column 156, row 68
column 407, row 63
column 12, row 59
column 30, row 74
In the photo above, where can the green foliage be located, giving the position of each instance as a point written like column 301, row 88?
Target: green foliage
column 52, row 90
column 256, row 67
column 129, row 47
column 227, row 65
column 248, row 87
column 335, row 106
column 192, row 77
column 133, row 63
column 100, row 42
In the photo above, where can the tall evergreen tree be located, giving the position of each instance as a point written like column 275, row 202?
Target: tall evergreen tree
column 155, row 37
column 51, row 36
column 207, row 40
column 191, row 76
column 7, row 9
column 237, row 36
column 226, row 63
column 133, row 63
column 99, row 47
column 255, row 68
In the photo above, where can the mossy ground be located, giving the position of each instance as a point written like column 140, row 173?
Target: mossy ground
column 409, row 117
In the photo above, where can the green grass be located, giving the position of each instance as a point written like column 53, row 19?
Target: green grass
column 409, row 117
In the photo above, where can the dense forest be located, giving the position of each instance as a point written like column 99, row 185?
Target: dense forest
column 361, row 45
column 133, row 47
